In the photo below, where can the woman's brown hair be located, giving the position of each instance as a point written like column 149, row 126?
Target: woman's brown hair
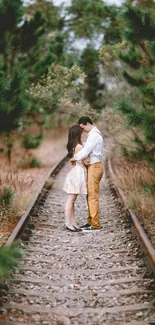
column 74, row 138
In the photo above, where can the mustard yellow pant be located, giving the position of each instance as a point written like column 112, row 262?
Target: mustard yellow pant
column 95, row 172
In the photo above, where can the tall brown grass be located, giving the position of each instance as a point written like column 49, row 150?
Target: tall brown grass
column 137, row 179
column 21, row 188
column 138, row 182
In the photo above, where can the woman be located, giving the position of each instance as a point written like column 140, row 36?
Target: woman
column 76, row 180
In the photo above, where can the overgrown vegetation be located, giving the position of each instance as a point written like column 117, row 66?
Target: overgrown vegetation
column 6, row 196
column 15, row 192
column 9, row 260
column 131, row 65
column 138, row 182
column 137, row 56
column 31, row 142
column 46, row 81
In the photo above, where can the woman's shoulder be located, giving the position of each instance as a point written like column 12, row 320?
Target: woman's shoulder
column 78, row 147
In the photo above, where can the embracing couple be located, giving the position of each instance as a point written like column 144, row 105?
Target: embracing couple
column 85, row 174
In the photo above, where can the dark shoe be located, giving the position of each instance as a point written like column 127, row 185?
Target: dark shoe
column 85, row 226
column 67, row 228
column 77, row 229
column 90, row 228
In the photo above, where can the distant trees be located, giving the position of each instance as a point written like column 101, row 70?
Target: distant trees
column 36, row 47
column 35, row 37
column 14, row 102
column 86, row 17
column 89, row 63
column 42, row 38
column 59, row 90
column 93, row 22
column 90, row 18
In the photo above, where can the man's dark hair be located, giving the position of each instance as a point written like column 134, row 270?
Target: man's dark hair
column 84, row 120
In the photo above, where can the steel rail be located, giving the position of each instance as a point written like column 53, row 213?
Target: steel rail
column 21, row 223
column 141, row 234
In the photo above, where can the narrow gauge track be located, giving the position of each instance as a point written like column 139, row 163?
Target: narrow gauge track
column 96, row 278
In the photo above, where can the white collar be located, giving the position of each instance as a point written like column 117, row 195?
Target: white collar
column 93, row 129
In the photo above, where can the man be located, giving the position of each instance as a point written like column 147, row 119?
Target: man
column 93, row 148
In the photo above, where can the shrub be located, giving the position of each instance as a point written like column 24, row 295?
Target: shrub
column 31, row 142
column 34, row 162
column 29, row 162
column 8, row 260
column 6, row 196
column 15, row 194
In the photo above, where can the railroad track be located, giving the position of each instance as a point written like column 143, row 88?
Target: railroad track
column 96, row 278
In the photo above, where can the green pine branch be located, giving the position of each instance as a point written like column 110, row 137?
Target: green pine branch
column 131, row 57
column 151, row 47
column 137, row 80
column 133, row 116
column 140, row 23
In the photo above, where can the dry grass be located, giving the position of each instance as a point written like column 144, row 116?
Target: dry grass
column 138, row 182
column 25, row 182
column 144, row 203
column 136, row 179
column 132, row 174
column 22, row 189
column 133, row 177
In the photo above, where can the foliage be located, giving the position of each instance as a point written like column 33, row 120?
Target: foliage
column 35, row 39
column 87, row 15
column 30, row 43
column 60, row 83
column 136, row 57
column 9, row 260
column 42, row 48
column 11, row 13
column 34, row 163
column 42, row 38
column 31, row 142
column 14, row 102
column 32, row 40
column 150, row 188
column 89, row 18
column 6, row 196
column 93, row 89
column 92, row 20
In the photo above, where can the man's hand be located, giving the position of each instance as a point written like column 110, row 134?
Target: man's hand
column 72, row 162
column 86, row 161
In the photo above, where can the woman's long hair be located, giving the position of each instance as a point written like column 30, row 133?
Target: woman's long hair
column 74, row 137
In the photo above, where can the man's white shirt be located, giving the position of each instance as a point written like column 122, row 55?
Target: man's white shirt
column 93, row 147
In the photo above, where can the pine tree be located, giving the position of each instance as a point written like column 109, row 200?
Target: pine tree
column 87, row 17
column 93, row 87
column 13, row 99
column 139, row 71
column 42, row 38
column 90, row 18
column 13, row 103
column 143, row 3
column 27, row 51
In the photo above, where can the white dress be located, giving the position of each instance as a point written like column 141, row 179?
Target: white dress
column 76, row 180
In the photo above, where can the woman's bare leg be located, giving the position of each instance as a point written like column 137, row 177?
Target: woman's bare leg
column 73, row 222
column 69, row 211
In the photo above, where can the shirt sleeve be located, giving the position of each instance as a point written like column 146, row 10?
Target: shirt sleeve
column 89, row 146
